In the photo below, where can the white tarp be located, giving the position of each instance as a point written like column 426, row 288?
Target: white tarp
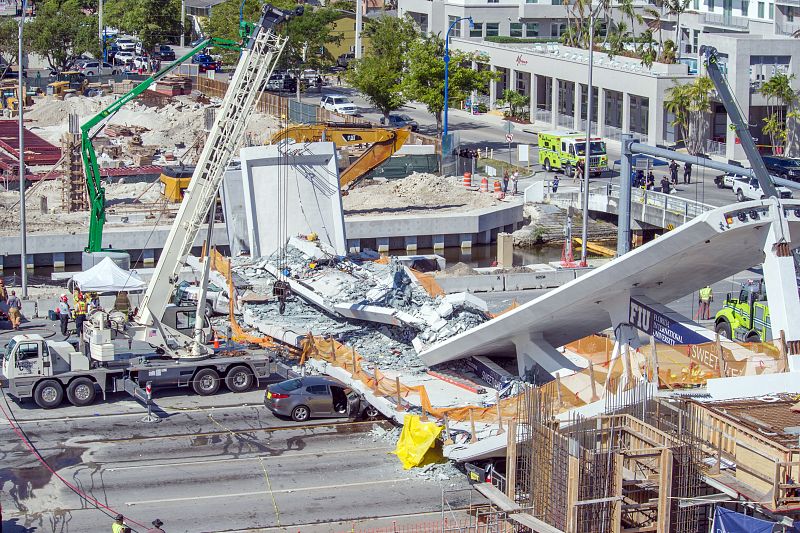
column 106, row 276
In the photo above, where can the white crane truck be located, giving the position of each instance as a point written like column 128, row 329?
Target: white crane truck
column 46, row 370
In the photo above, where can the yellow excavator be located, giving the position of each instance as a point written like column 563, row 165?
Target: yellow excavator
column 382, row 143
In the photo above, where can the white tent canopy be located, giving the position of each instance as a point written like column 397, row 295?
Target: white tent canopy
column 106, row 276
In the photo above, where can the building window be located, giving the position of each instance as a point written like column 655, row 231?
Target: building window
column 771, row 11
column 790, row 14
column 695, row 40
column 492, row 29
column 532, row 29
column 456, row 31
column 639, row 111
column 745, row 8
column 697, row 5
column 761, row 10
column 531, row 2
column 477, row 31
column 515, row 29
column 711, row 5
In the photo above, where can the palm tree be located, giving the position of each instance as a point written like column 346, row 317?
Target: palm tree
column 689, row 104
column 616, row 39
column 677, row 7
column 628, row 9
column 656, row 24
column 781, row 100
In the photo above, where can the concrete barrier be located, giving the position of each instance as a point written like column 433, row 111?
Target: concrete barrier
column 479, row 283
column 44, row 305
column 520, row 281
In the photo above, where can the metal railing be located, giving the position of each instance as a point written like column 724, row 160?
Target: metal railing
column 726, row 20
column 715, row 147
column 583, row 126
column 614, row 133
column 544, row 115
column 565, row 121
column 790, row 28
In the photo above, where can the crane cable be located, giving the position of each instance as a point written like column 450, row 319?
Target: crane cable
column 17, row 429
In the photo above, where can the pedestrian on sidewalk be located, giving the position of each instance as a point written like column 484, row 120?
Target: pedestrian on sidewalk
column 555, row 184
column 651, row 181
column 706, row 297
column 687, row 172
column 156, row 527
column 665, row 185
column 578, row 174
column 3, row 292
column 514, row 182
column 14, row 310
column 505, row 181
column 64, row 312
column 338, row 79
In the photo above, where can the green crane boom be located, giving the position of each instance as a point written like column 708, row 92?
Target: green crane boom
column 97, row 194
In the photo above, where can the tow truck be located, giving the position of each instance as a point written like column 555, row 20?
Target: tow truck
column 745, row 317
column 46, row 370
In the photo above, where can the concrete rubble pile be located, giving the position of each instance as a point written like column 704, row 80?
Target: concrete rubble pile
column 379, row 309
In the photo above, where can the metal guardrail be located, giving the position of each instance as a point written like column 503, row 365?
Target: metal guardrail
column 725, row 20
column 715, row 147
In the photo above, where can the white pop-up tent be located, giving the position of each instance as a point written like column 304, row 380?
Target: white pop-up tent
column 106, row 276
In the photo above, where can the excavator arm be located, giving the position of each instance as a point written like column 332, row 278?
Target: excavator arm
column 384, row 142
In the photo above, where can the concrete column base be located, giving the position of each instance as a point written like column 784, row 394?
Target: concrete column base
column 505, row 250
column 438, row 242
column 382, row 244
column 485, row 237
column 411, row 244
column 466, row 240
column 149, row 257
column 354, row 245
column 29, row 263
column 533, row 350
column 58, row 260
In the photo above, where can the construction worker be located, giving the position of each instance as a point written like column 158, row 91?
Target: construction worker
column 119, row 524
column 156, row 527
column 706, row 297
column 80, row 316
column 665, row 187
column 14, row 310
column 64, row 312
column 76, row 295
column 3, row 292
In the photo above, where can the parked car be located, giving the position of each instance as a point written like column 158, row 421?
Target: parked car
column 401, row 121
column 750, row 189
column 217, row 302
column 98, row 68
column 344, row 59
column 309, row 76
column 317, row 397
column 338, row 104
column 128, row 44
column 124, row 57
column 783, row 167
column 164, row 53
column 206, row 62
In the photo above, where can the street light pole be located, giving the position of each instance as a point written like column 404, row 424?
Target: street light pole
column 587, row 150
column 20, row 104
column 447, row 66
column 359, row 27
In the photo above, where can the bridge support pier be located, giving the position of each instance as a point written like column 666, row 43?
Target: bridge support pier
column 535, row 355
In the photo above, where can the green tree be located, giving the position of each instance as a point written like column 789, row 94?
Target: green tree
column 9, row 39
column 62, row 30
column 628, row 9
column 152, row 21
column 424, row 79
column 517, row 103
column 378, row 75
column 782, row 100
column 677, row 8
column 689, row 103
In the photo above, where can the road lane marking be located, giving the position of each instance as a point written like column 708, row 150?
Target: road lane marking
column 265, row 492
column 239, row 459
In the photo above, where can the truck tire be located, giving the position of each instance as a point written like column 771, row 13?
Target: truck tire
column 239, row 379
column 740, row 195
column 724, row 329
column 547, row 166
column 81, row 392
column 752, row 337
column 48, row 394
column 568, row 172
column 301, row 413
column 206, row 382
column 720, row 184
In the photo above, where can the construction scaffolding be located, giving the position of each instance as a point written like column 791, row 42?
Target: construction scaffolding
column 74, row 195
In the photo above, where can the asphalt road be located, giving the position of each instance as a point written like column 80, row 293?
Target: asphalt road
column 204, row 468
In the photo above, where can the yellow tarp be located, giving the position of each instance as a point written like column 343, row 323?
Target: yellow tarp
column 415, row 440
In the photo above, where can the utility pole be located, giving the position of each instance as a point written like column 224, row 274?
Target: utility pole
column 183, row 22
column 101, row 33
column 20, row 105
column 359, row 27
column 587, row 149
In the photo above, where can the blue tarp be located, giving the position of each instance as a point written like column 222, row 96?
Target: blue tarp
column 727, row 521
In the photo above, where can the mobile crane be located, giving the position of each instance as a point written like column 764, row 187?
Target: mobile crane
column 780, row 275
column 45, row 370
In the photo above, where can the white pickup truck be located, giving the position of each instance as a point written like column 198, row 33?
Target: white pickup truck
column 746, row 188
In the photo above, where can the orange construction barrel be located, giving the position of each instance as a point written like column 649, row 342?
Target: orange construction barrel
column 467, row 179
column 484, row 184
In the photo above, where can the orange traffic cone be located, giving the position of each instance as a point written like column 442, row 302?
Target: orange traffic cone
column 216, row 341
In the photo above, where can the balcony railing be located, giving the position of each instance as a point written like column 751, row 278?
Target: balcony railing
column 726, row 20
column 789, row 28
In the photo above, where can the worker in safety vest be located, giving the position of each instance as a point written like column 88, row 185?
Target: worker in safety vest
column 119, row 525
column 80, row 315
column 706, row 297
